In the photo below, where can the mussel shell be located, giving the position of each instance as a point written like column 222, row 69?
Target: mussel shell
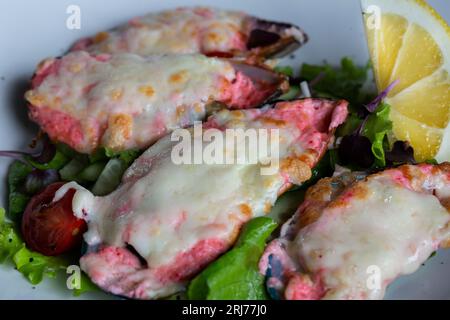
column 272, row 39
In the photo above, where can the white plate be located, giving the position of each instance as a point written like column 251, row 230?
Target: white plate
column 32, row 30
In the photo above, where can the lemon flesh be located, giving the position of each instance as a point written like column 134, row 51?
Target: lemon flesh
column 409, row 42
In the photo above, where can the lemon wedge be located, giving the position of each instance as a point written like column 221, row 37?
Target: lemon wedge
column 409, row 42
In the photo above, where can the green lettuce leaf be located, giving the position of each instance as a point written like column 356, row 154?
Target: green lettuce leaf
column 127, row 156
column 86, row 285
column 376, row 128
column 91, row 172
column 286, row 70
column 349, row 126
column 57, row 162
column 34, row 266
column 74, row 167
column 110, row 177
column 101, row 171
column 66, row 150
column 294, row 92
column 344, row 82
column 10, row 242
column 235, row 275
column 18, row 199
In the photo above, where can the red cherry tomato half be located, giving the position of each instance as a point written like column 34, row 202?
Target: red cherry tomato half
column 51, row 228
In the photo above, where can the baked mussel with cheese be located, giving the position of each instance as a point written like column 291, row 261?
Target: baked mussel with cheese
column 354, row 234
column 167, row 221
column 211, row 31
column 124, row 101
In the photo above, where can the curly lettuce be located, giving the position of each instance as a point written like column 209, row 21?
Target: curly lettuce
column 345, row 82
column 28, row 175
column 376, row 128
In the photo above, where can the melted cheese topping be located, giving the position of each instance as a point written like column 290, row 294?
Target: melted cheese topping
column 163, row 209
column 183, row 30
column 126, row 101
column 381, row 225
column 177, row 206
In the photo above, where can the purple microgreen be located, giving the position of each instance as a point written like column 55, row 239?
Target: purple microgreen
column 372, row 106
column 16, row 155
column 41, row 154
column 46, row 151
column 38, row 179
column 317, row 79
column 401, row 152
column 360, row 128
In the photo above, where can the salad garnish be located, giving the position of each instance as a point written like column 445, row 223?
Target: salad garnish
column 362, row 143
